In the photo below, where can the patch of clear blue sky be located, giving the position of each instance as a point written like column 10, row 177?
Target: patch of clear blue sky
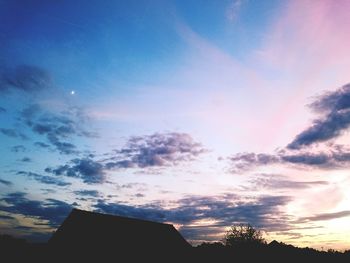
column 236, row 36
column 84, row 42
column 80, row 40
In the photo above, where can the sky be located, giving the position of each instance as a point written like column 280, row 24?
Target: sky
column 202, row 114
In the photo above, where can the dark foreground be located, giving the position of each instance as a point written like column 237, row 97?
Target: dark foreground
column 18, row 250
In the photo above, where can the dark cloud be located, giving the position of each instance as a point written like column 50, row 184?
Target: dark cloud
column 199, row 234
column 333, row 100
column 44, row 179
column 51, row 210
column 325, row 216
column 5, row 217
column 334, row 118
column 57, row 128
column 63, row 147
column 156, row 150
column 18, row 148
column 2, row 110
column 312, row 159
column 13, row 133
column 92, row 193
column 336, row 157
column 26, row 160
column 334, row 108
column 246, row 161
column 25, row 78
column 224, row 210
column 90, row 171
column 5, row 182
column 42, row 145
column 147, row 151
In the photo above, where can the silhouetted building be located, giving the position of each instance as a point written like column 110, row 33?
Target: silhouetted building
column 94, row 234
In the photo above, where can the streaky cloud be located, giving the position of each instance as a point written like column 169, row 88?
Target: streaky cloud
column 13, row 133
column 56, row 127
column 326, row 216
column 272, row 181
column 51, row 210
column 18, row 148
column 44, row 179
column 26, row 78
column 336, row 157
column 91, row 193
column 224, row 210
column 5, row 182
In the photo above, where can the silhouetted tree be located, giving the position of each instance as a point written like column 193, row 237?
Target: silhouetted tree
column 243, row 234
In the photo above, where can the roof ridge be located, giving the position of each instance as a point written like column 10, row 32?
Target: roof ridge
column 76, row 210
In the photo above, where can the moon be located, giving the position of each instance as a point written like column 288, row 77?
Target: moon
column 72, row 92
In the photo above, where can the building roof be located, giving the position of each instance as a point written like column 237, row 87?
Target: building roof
column 83, row 230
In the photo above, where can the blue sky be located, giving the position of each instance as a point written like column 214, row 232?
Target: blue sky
column 198, row 113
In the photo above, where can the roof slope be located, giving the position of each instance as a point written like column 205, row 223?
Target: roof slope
column 88, row 230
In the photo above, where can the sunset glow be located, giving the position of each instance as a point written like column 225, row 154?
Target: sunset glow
column 202, row 114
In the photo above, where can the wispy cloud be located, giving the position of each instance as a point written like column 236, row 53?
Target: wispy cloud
column 13, row 133
column 325, row 216
column 26, row 78
column 5, row 182
column 44, row 179
column 56, row 127
column 18, row 148
column 233, row 10
column 89, row 193
column 273, row 182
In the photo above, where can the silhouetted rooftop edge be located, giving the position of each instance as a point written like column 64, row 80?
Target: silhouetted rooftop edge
column 88, row 227
column 134, row 219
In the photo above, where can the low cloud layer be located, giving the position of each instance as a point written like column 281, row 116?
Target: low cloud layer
column 51, row 210
column 223, row 211
column 189, row 212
